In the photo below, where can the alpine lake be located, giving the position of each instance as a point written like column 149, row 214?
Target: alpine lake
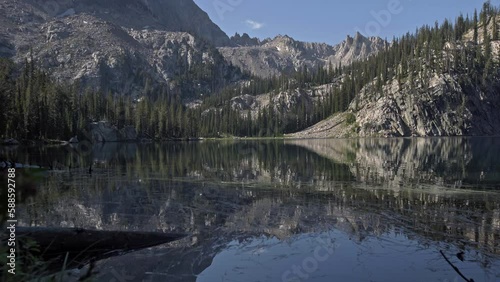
column 280, row 210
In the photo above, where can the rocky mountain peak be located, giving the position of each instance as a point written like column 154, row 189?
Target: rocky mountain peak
column 245, row 40
column 284, row 43
column 358, row 47
column 283, row 38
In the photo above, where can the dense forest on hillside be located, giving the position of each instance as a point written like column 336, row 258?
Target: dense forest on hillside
column 35, row 107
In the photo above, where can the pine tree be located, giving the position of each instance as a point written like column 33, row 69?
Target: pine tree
column 488, row 69
column 487, row 47
column 475, row 27
column 485, row 26
column 495, row 29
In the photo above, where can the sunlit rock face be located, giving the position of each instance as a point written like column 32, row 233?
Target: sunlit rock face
column 443, row 108
column 114, row 45
column 284, row 54
column 167, row 15
column 435, row 100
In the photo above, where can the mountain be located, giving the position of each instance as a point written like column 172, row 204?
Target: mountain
column 443, row 108
column 166, row 15
column 284, row 54
column 120, row 46
column 136, row 47
column 165, row 53
column 167, row 70
column 448, row 89
column 244, row 40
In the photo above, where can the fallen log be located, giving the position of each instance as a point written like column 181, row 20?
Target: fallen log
column 78, row 247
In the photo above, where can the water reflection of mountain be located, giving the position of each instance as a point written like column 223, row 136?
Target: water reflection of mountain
column 398, row 162
column 216, row 190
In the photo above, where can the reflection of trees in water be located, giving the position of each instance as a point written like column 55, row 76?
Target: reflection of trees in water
column 469, row 219
column 217, row 161
column 217, row 214
column 279, row 189
column 392, row 163
column 398, row 162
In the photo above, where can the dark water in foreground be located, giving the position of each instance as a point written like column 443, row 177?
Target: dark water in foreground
column 308, row 210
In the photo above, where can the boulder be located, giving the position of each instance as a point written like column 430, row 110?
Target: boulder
column 128, row 133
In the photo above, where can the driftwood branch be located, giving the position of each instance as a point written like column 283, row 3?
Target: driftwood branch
column 456, row 268
column 80, row 246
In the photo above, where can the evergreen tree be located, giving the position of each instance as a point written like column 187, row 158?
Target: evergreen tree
column 495, row 28
column 475, row 27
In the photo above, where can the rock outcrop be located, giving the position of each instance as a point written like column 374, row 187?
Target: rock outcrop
column 104, row 132
column 283, row 103
column 244, row 40
column 438, row 106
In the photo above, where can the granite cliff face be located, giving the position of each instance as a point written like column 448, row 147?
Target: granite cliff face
column 284, row 54
column 114, row 45
column 166, row 15
column 282, row 102
column 444, row 107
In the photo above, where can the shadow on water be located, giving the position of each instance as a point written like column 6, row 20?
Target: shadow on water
column 257, row 209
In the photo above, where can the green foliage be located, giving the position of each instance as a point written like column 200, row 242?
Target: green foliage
column 475, row 27
column 350, row 118
column 495, row 28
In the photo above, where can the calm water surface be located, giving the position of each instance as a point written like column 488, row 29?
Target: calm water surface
column 294, row 210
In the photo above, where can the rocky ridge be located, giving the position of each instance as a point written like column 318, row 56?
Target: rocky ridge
column 284, row 54
column 127, row 46
column 282, row 102
column 166, row 15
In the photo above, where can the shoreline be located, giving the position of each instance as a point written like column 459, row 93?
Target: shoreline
column 55, row 142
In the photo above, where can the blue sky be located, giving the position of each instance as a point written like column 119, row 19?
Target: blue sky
column 331, row 21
